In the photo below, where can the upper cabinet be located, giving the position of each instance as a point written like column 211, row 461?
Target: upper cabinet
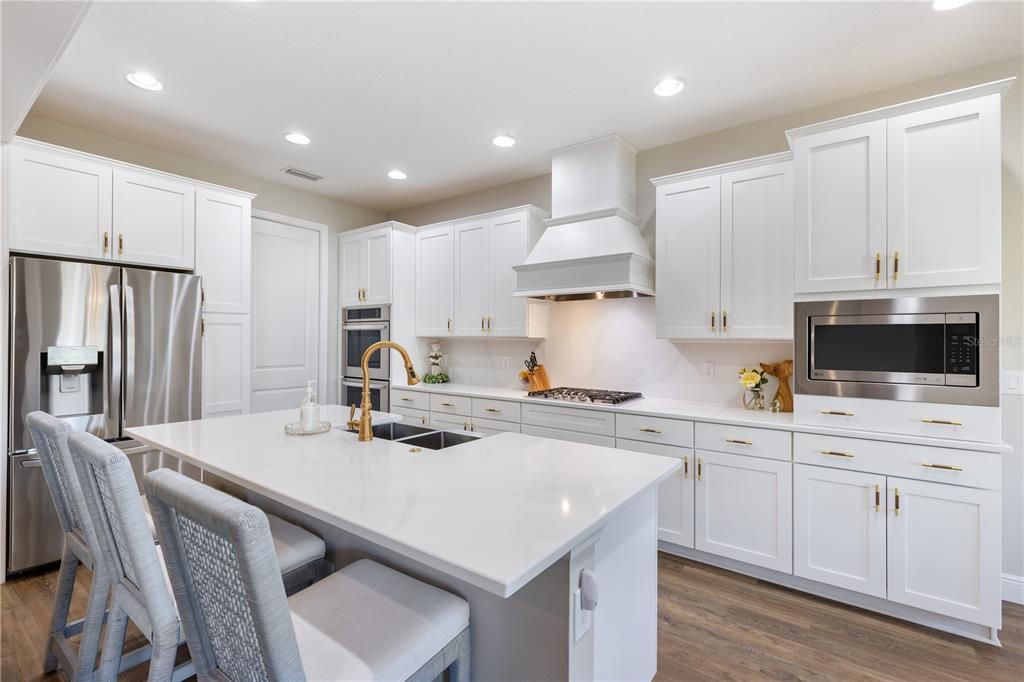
column 465, row 280
column 902, row 197
column 724, row 248
column 154, row 219
column 223, row 250
column 365, row 258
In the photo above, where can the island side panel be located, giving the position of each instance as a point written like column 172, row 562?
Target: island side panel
column 521, row 637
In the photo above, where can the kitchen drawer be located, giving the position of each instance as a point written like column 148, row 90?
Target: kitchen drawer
column 574, row 436
column 449, row 422
column 412, row 416
column 414, row 399
column 932, row 420
column 744, row 440
column 597, row 422
column 451, row 404
column 948, row 465
column 654, row 429
column 502, row 410
column 493, row 426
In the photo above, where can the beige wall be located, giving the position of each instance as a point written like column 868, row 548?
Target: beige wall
column 535, row 190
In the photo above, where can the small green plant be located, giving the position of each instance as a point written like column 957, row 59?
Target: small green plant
column 439, row 378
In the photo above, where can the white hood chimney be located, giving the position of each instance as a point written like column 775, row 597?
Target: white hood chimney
column 591, row 247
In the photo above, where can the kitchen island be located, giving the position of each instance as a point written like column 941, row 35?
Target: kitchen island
column 508, row 522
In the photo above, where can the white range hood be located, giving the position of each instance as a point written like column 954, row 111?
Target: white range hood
column 591, row 246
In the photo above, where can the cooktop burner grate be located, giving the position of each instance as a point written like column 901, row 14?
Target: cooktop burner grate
column 587, row 395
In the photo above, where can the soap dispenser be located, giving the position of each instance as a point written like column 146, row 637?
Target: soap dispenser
column 309, row 411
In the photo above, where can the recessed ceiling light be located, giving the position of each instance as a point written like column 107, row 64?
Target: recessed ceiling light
column 504, row 141
column 396, row 174
column 943, row 5
column 669, row 87
column 296, row 138
column 144, row 81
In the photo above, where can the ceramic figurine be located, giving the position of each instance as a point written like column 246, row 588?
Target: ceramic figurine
column 782, row 371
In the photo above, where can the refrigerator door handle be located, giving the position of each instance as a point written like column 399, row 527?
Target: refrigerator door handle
column 112, row 398
column 129, row 346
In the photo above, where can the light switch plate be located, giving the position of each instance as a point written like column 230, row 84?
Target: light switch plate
column 582, row 619
column 707, row 370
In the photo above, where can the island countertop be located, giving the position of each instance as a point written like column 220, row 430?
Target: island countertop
column 495, row 512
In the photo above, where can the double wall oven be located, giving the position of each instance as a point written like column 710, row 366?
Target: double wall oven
column 362, row 326
column 935, row 349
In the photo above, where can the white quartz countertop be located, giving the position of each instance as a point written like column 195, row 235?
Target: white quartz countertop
column 495, row 512
column 704, row 412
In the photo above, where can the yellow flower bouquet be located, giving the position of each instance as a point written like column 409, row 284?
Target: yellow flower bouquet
column 753, row 380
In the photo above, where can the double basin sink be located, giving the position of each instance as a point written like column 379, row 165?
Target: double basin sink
column 422, row 436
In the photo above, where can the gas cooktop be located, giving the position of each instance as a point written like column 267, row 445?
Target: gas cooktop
column 587, row 395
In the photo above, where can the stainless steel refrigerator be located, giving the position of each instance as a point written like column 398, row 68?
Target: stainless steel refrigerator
column 104, row 348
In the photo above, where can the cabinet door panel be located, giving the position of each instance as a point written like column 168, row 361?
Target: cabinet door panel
column 944, row 549
column 434, row 282
column 472, row 280
column 154, row 220
column 945, row 175
column 226, row 364
column 352, row 257
column 757, row 253
column 839, row 179
column 744, row 509
column 838, row 531
column 507, row 247
column 223, row 250
column 377, row 274
column 688, row 251
column 675, row 494
column 58, row 204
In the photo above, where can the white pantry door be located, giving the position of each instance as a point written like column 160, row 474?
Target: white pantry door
column 286, row 310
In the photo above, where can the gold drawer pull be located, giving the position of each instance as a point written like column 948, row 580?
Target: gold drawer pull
column 945, row 467
column 448, row 404
column 738, row 441
column 945, row 422
column 837, row 413
column 878, row 498
column 836, row 453
column 491, row 409
column 648, row 429
column 408, row 400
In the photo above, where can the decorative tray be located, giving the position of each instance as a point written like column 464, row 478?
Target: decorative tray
column 294, row 429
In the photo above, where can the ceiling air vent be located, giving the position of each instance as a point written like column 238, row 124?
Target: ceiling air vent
column 304, row 174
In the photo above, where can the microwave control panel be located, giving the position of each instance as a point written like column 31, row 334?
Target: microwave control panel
column 962, row 349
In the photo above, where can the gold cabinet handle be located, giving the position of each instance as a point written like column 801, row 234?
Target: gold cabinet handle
column 896, row 507
column 449, row 324
column 489, row 321
column 120, row 243
column 483, row 323
column 945, row 467
column 712, row 320
column 878, row 266
column 448, row 404
column 878, row 498
column 465, row 426
column 837, row 413
column 944, row 422
column 423, row 420
column 648, row 429
column 725, row 320
column 106, row 241
column 202, row 327
column 737, row 441
column 700, row 468
column 686, row 467
column 836, row 453
column 896, row 266
column 408, row 400
column 491, row 409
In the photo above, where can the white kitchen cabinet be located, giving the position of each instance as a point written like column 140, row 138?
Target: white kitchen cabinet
column 908, row 196
column 154, row 220
column 434, row 281
column 58, row 204
column 944, row 192
column 839, row 528
column 366, row 261
column 509, row 240
column 570, row 436
column 491, row 427
column 727, row 233
column 471, row 278
column 944, row 549
column 743, row 509
column 224, row 250
column 227, row 348
column 450, row 422
column 675, row 494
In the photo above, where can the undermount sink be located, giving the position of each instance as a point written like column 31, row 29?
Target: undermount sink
column 438, row 440
column 398, row 430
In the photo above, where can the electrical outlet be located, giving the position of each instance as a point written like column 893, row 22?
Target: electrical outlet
column 504, row 362
column 582, row 619
column 707, row 370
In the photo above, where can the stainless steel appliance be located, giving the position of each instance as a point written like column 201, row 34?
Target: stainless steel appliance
column 362, row 326
column 936, row 349
column 351, row 393
column 587, row 395
column 104, row 348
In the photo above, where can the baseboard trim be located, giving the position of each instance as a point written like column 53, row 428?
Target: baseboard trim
column 1013, row 588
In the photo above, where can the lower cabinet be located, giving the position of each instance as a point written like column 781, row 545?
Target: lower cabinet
column 675, row 494
column 227, row 364
column 839, row 528
column 744, row 509
column 944, row 549
column 490, row 427
column 451, row 422
column 572, row 436
column 411, row 415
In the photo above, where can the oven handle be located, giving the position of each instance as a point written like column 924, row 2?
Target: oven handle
column 382, row 326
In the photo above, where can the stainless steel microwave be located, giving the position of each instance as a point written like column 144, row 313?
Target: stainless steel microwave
column 942, row 349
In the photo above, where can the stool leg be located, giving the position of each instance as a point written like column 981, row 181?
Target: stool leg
column 95, row 610
column 113, row 643
column 61, row 605
column 459, row 669
column 161, row 665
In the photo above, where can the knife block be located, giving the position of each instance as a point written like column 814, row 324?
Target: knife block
column 539, row 379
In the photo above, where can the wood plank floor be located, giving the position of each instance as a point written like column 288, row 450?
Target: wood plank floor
column 712, row 625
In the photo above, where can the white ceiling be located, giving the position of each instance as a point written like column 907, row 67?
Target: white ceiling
column 424, row 86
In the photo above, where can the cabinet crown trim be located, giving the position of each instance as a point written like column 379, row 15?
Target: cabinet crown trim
column 393, row 224
column 67, row 151
column 972, row 92
column 767, row 159
column 536, row 210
